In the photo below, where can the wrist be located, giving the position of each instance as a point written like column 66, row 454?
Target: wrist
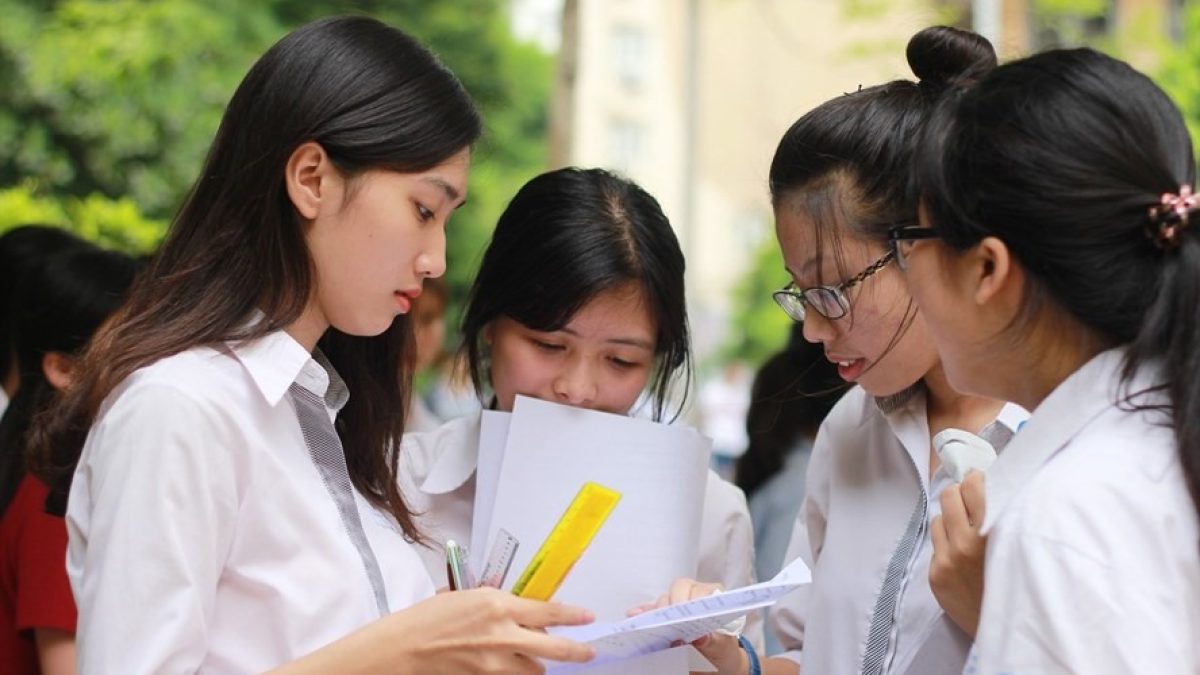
column 750, row 662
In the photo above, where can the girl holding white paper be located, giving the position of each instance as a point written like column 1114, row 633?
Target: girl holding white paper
column 875, row 486
column 234, row 427
column 1083, row 277
column 579, row 300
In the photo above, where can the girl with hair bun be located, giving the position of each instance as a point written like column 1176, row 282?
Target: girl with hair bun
column 839, row 182
column 1061, row 240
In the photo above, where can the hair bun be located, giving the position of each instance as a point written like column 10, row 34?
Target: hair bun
column 941, row 56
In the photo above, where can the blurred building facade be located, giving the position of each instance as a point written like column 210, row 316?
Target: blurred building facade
column 690, row 97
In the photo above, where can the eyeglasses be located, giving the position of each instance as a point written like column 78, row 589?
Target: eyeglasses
column 828, row 301
column 901, row 239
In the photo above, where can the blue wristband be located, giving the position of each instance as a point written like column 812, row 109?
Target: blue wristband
column 755, row 666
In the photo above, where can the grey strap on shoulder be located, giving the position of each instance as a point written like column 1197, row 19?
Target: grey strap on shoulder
column 325, row 448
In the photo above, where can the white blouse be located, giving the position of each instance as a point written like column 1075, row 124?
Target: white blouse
column 1093, row 560
column 202, row 537
column 867, row 473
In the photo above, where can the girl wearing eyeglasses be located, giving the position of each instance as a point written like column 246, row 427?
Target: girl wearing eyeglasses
column 875, row 487
column 1082, row 277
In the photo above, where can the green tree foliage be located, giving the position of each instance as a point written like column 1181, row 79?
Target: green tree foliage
column 112, row 223
column 107, row 107
column 761, row 326
column 1180, row 74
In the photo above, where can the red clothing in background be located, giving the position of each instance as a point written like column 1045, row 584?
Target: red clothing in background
column 34, row 590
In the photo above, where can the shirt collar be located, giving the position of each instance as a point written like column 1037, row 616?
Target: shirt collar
column 276, row 360
column 1079, row 399
column 459, row 456
column 910, row 424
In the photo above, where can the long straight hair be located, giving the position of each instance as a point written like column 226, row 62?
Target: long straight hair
column 1063, row 156
column 373, row 98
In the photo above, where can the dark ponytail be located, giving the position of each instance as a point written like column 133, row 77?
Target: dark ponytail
column 1066, row 157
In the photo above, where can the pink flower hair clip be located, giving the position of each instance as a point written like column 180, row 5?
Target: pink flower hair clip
column 1169, row 217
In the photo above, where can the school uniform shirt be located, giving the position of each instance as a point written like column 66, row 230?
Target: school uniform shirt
column 34, row 591
column 1093, row 558
column 868, row 472
column 202, row 537
column 438, row 481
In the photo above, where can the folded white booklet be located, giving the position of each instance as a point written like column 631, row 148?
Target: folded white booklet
column 658, row 630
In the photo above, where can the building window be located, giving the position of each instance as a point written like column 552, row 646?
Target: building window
column 626, row 144
column 630, row 54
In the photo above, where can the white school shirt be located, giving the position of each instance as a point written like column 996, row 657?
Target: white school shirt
column 202, row 537
column 866, row 474
column 1093, row 559
column 438, row 482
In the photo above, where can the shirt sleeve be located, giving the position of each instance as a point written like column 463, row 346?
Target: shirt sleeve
column 788, row 616
column 152, row 513
column 43, row 593
column 727, row 545
column 1056, row 601
column 726, row 537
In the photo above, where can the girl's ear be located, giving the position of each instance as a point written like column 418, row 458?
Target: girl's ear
column 995, row 274
column 487, row 334
column 310, row 178
column 59, row 369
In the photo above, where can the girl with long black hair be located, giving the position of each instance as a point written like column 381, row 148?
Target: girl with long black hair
column 1058, row 265
column 235, row 430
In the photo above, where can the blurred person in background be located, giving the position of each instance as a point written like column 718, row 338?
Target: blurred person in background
column 792, row 393
column 57, row 305
column 723, row 402
column 429, row 332
column 21, row 248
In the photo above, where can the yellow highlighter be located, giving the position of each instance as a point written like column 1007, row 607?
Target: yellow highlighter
column 566, row 542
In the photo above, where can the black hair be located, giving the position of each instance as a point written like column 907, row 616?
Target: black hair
column 22, row 248
column 1062, row 156
column 849, row 159
column 792, row 393
column 847, row 164
column 567, row 236
column 58, row 305
column 373, row 98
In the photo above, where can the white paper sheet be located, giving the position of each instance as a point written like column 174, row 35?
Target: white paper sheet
column 658, row 630
column 652, row 536
column 493, row 434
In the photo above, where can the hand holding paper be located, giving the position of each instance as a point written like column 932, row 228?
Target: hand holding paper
column 659, row 629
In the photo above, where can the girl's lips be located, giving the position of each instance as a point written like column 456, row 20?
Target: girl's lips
column 403, row 302
column 850, row 369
